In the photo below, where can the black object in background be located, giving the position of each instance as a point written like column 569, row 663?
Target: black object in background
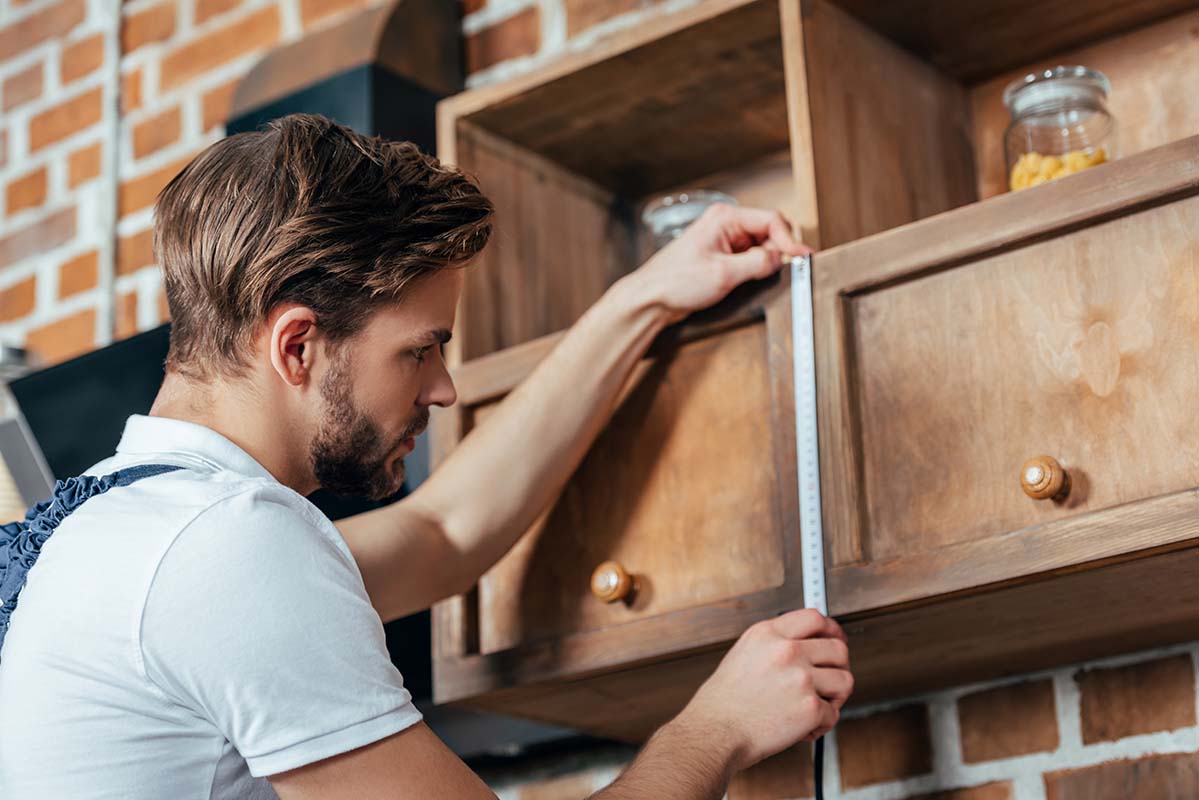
column 76, row 410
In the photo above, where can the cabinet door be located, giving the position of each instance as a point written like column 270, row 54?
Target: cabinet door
column 1062, row 321
column 690, row 489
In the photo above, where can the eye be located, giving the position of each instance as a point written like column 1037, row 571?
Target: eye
column 419, row 353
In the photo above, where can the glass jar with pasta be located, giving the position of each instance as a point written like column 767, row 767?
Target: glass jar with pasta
column 1060, row 125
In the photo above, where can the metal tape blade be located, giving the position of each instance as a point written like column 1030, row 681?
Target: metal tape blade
column 811, row 528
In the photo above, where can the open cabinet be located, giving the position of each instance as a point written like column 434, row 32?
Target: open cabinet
column 874, row 128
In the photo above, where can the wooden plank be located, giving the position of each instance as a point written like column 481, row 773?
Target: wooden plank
column 1026, row 554
column 1009, row 221
column 1150, row 69
column 972, row 41
column 559, row 242
column 890, row 136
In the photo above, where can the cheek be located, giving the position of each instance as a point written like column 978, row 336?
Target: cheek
column 389, row 394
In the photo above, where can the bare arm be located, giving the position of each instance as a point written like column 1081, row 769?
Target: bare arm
column 507, row 471
column 784, row 680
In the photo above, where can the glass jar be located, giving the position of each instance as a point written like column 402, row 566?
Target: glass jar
column 1060, row 124
column 668, row 216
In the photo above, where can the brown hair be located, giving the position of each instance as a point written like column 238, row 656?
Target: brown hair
column 305, row 211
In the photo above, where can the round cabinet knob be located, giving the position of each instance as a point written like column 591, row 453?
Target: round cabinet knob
column 611, row 582
column 1043, row 478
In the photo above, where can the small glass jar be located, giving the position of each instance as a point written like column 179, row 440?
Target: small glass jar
column 1060, row 124
column 667, row 216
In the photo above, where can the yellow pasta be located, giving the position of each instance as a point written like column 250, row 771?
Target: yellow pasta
column 1033, row 169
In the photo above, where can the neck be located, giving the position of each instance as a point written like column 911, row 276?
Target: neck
column 240, row 411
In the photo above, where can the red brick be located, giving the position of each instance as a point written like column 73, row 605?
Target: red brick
column 788, row 774
column 65, row 119
column 17, row 301
column 1151, row 778
column 140, row 192
column 1008, row 721
column 135, row 252
column 154, row 24
column 84, row 164
column 3, row 148
column 40, row 237
column 79, row 274
column 27, row 191
column 886, row 746
column 131, row 91
column 49, row 23
column 582, row 14
column 250, row 33
column 164, row 308
column 1140, row 698
column 207, row 9
column 126, row 315
column 82, row 58
column 519, row 35
column 23, row 86
column 216, row 104
column 989, row 791
column 155, row 133
column 314, row 11
column 66, row 338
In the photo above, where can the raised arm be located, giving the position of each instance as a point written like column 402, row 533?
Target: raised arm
column 476, row 505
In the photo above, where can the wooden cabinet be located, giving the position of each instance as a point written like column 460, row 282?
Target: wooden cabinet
column 957, row 339
column 1060, row 323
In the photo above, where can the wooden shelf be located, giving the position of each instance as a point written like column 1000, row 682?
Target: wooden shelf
column 700, row 98
column 972, row 40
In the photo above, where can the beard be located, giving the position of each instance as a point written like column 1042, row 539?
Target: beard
column 349, row 454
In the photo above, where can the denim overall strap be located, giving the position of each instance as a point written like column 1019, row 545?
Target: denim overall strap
column 21, row 542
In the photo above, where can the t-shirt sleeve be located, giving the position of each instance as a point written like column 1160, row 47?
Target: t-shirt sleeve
column 258, row 621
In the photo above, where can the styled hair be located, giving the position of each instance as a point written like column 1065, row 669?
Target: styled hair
column 303, row 211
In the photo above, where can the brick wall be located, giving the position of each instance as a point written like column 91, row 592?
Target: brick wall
column 78, row 177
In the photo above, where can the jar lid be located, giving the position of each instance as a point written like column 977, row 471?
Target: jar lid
column 1062, row 84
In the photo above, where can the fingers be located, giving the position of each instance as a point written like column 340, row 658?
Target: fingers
column 756, row 262
column 826, row 652
column 747, row 227
column 805, row 623
column 833, row 685
column 827, row 718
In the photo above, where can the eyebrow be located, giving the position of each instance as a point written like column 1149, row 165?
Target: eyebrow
column 437, row 336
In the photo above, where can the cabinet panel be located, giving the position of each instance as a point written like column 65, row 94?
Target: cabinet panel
column 679, row 489
column 1060, row 321
column 1080, row 347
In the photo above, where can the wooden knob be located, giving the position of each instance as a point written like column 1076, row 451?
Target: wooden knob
column 611, row 582
column 1043, row 478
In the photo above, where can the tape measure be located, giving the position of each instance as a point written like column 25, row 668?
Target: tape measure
column 807, row 452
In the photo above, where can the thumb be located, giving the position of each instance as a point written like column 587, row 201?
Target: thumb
column 756, row 262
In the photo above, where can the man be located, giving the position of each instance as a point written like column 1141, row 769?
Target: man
column 206, row 633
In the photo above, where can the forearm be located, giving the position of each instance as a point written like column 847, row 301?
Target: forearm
column 678, row 763
column 503, row 475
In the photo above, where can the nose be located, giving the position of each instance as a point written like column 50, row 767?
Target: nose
column 439, row 388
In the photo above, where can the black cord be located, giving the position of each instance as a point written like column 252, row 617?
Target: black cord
column 818, row 768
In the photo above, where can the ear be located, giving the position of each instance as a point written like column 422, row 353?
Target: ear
column 293, row 335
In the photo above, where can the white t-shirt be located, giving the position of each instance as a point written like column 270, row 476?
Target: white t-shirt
column 188, row 634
